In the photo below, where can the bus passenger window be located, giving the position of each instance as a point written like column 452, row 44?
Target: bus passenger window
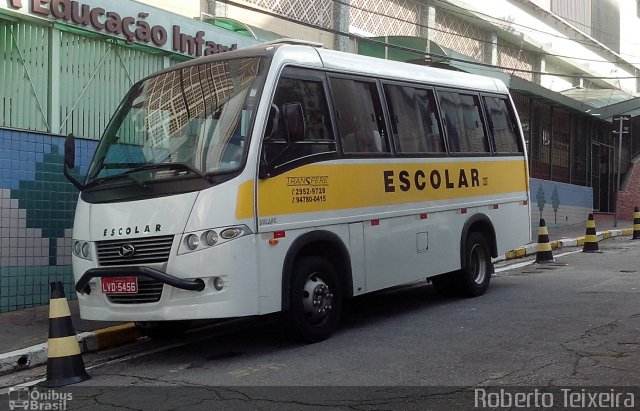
column 463, row 122
column 414, row 119
column 502, row 125
column 318, row 137
column 360, row 118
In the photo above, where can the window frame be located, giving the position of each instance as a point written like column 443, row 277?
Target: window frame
column 385, row 118
column 483, row 119
column 512, row 117
column 419, row 86
column 304, row 74
column 325, row 76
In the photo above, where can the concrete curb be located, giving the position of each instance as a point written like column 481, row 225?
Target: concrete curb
column 531, row 249
column 89, row 342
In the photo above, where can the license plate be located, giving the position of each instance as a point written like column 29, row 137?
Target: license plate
column 119, row 285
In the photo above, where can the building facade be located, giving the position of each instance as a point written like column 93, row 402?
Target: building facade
column 571, row 65
column 65, row 65
column 64, row 69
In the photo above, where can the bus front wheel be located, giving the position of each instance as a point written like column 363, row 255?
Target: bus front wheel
column 475, row 276
column 315, row 300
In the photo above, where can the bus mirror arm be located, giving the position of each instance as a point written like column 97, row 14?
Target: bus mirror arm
column 70, row 160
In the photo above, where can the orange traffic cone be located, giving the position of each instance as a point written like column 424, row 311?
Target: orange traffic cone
column 544, row 254
column 64, row 360
column 590, row 237
column 636, row 224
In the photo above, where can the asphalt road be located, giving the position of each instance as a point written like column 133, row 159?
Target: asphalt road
column 572, row 323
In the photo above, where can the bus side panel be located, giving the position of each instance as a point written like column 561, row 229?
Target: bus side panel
column 271, row 259
column 403, row 249
column 512, row 226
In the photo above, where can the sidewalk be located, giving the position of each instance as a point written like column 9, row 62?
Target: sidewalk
column 562, row 236
column 24, row 333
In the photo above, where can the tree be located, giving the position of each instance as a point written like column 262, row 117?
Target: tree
column 555, row 202
column 540, row 198
column 49, row 200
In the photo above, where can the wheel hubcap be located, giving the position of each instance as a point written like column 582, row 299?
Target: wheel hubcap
column 317, row 299
column 478, row 264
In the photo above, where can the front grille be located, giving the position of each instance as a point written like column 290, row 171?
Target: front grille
column 149, row 291
column 147, row 251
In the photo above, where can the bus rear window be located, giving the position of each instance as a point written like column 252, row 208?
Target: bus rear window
column 502, row 125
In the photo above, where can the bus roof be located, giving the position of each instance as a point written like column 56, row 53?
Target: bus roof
column 310, row 54
column 354, row 63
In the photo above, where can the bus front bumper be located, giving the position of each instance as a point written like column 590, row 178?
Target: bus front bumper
column 82, row 286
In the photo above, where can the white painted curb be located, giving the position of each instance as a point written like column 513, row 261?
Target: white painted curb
column 37, row 354
column 90, row 341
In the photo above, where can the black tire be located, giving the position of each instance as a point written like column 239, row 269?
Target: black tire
column 314, row 287
column 474, row 278
column 163, row 330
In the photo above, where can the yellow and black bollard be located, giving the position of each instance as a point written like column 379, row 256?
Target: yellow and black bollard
column 590, row 237
column 636, row 224
column 544, row 254
column 64, row 360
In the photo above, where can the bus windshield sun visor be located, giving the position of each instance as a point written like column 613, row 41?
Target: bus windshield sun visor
column 82, row 286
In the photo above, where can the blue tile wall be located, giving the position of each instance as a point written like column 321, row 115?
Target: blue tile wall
column 37, row 205
column 559, row 203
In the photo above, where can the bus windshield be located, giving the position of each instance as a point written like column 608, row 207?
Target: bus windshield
column 189, row 121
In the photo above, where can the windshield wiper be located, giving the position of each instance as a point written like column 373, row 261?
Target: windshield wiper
column 136, row 180
column 129, row 174
column 169, row 166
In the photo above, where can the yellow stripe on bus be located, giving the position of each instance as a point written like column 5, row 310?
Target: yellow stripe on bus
column 244, row 203
column 323, row 187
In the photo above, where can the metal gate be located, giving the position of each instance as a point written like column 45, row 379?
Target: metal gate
column 602, row 177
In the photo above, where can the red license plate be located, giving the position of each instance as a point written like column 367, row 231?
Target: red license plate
column 119, row 285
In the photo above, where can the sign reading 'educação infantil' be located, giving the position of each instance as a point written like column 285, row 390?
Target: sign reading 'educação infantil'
column 167, row 32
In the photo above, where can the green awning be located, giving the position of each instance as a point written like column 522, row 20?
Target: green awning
column 243, row 29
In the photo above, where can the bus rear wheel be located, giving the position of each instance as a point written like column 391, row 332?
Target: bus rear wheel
column 315, row 300
column 474, row 278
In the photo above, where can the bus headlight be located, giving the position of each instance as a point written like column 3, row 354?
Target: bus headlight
column 192, row 242
column 77, row 246
column 82, row 249
column 200, row 240
column 85, row 250
column 211, row 237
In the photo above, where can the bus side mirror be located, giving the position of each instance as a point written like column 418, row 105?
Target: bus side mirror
column 272, row 122
column 294, row 122
column 70, row 160
column 70, row 151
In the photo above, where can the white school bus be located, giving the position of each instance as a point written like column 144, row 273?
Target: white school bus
column 288, row 178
